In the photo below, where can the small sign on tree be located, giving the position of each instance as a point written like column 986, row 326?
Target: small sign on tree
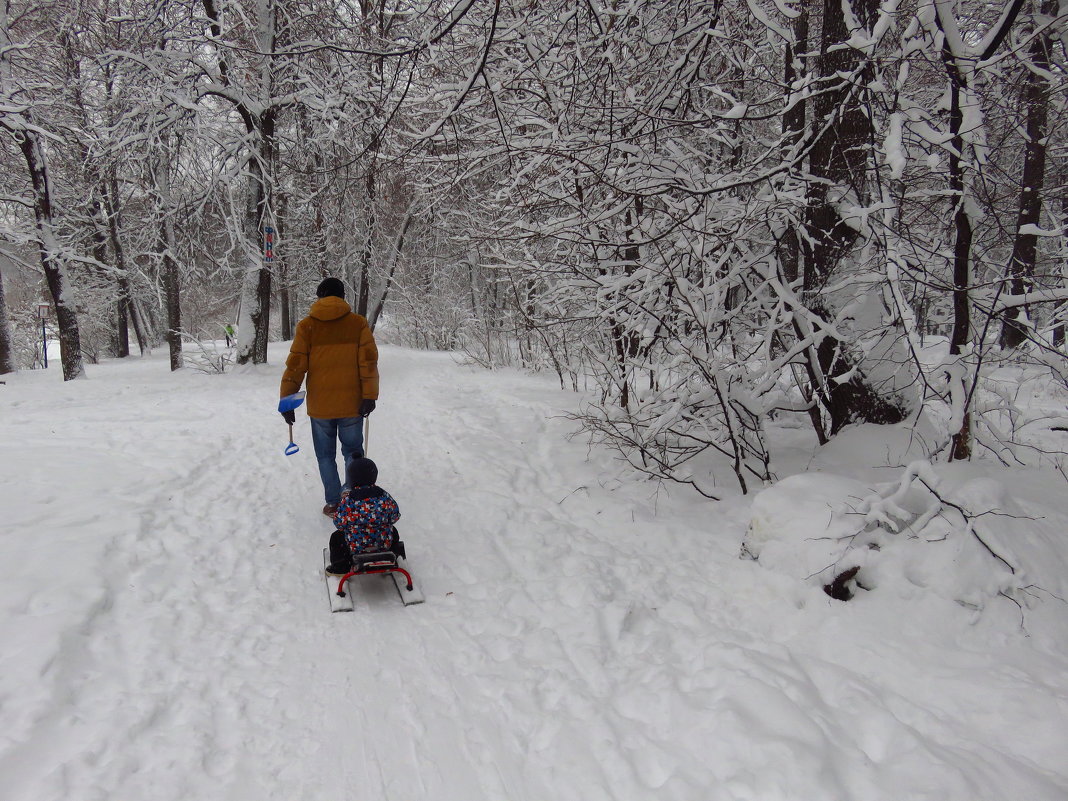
column 268, row 244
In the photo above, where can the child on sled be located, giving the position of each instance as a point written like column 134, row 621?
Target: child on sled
column 364, row 517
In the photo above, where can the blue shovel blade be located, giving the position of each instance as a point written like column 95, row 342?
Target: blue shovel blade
column 290, row 402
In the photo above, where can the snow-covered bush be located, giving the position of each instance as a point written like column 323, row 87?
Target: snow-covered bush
column 207, row 356
column 806, row 526
column 921, row 533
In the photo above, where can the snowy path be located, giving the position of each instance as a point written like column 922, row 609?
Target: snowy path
column 577, row 642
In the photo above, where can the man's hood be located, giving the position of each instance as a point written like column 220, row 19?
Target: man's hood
column 329, row 308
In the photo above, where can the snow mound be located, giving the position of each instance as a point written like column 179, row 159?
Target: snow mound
column 909, row 538
column 804, row 525
column 952, row 548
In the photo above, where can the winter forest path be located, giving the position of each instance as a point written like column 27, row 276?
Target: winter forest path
column 208, row 666
column 582, row 638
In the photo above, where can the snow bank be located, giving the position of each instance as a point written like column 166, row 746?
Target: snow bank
column 806, row 525
column 968, row 543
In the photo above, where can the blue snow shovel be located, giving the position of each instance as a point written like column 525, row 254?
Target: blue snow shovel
column 288, row 404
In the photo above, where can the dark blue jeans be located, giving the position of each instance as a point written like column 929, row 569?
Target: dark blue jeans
column 325, row 435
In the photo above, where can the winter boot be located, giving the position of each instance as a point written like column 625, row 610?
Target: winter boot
column 340, row 555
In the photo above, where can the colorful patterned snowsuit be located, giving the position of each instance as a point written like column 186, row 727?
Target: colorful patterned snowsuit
column 367, row 522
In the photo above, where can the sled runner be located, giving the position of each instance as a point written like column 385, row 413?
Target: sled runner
column 392, row 563
column 338, row 603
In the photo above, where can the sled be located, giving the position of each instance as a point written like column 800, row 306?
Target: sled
column 392, row 563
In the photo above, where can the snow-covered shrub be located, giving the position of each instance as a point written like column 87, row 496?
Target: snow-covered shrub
column 26, row 339
column 806, row 526
column 683, row 426
column 1017, row 404
column 905, row 537
column 207, row 357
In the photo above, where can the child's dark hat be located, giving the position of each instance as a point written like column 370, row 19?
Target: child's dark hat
column 362, row 472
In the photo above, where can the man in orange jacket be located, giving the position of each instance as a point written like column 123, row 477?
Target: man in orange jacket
column 335, row 349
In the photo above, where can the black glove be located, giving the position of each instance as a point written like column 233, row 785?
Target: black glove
column 289, row 416
column 366, row 407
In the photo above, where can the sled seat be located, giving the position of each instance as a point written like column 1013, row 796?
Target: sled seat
column 370, row 564
column 369, row 560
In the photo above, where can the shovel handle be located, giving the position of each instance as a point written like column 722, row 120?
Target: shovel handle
column 292, row 447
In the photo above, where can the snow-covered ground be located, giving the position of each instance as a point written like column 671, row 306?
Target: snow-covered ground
column 587, row 636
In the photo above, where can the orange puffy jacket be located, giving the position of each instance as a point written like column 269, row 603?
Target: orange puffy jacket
column 336, row 350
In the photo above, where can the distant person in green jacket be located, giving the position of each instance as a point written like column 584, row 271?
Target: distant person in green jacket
column 229, row 334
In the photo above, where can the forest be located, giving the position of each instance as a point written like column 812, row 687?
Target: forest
column 704, row 214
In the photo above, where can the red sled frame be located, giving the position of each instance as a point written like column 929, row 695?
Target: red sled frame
column 375, row 564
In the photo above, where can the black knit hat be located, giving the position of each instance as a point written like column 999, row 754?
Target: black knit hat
column 330, row 287
column 361, row 472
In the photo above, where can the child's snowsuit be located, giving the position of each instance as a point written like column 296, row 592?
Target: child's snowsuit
column 364, row 519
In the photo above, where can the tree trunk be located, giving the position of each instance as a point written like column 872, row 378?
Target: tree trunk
column 70, row 343
column 962, row 251
column 364, row 287
column 122, row 323
column 20, row 126
column 126, row 300
column 286, row 311
column 118, row 341
column 282, row 272
column 1021, row 269
column 171, row 291
column 626, row 343
column 259, row 119
column 793, row 126
column 1058, row 329
column 838, row 161
column 254, row 325
column 961, row 446
column 255, row 318
column 168, row 246
column 398, row 248
column 7, row 357
column 171, row 294
column 839, row 157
